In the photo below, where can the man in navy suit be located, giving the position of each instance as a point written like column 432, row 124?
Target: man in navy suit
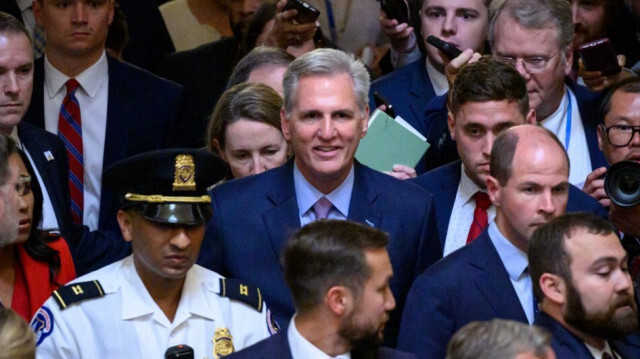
column 324, row 116
column 409, row 89
column 581, row 280
column 536, row 36
column 488, row 97
column 338, row 273
column 45, row 150
column 528, row 185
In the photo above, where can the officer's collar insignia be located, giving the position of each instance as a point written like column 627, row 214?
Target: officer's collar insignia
column 222, row 343
column 184, row 178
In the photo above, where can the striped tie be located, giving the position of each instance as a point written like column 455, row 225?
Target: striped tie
column 70, row 131
column 322, row 208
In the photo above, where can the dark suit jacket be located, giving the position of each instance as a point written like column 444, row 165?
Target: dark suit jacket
column 469, row 284
column 568, row 346
column 443, row 183
column 204, row 72
column 54, row 172
column 277, row 346
column 142, row 113
column 254, row 215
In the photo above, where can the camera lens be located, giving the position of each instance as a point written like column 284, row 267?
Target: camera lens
column 622, row 183
column 629, row 184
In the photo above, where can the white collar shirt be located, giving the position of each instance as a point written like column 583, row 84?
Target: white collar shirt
column 92, row 96
column 301, row 348
column 462, row 213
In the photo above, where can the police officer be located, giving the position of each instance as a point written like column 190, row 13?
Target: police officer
column 156, row 298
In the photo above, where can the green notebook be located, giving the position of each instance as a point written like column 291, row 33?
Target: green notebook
column 390, row 141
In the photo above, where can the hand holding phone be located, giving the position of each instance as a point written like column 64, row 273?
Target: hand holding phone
column 379, row 101
column 396, row 9
column 599, row 55
column 306, row 12
column 450, row 50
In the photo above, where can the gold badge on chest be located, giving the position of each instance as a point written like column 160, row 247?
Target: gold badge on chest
column 222, row 343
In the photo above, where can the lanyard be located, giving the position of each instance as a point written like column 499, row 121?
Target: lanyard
column 567, row 134
column 332, row 22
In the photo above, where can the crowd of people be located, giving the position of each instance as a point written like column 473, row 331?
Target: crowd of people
column 180, row 178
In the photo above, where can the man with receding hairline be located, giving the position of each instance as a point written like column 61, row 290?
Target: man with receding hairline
column 528, row 185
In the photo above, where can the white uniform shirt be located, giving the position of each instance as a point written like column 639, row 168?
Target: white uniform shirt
column 127, row 323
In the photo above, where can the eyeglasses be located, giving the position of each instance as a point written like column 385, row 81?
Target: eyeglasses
column 532, row 65
column 620, row 135
column 23, row 185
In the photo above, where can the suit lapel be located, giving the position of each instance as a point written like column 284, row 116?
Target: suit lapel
column 362, row 206
column 281, row 219
column 449, row 182
column 494, row 283
column 421, row 91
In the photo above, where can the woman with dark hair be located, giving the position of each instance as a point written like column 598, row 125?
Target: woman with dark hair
column 245, row 130
column 37, row 263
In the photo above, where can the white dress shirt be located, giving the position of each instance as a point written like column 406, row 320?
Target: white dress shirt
column 462, row 213
column 597, row 353
column 301, row 348
column 92, row 95
column 578, row 148
column 438, row 79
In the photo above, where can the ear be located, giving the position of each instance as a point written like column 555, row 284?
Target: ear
column 285, row 125
column 216, row 145
column 554, row 288
column 568, row 55
column 451, row 122
column 125, row 223
column 531, row 117
column 493, row 190
column 601, row 134
column 339, row 300
column 36, row 7
column 111, row 11
column 365, row 121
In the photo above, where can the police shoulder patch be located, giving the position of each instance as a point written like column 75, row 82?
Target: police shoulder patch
column 42, row 324
column 236, row 289
column 77, row 292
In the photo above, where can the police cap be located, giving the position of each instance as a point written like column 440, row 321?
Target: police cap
column 167, row 186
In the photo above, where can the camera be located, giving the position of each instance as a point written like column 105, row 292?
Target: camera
column 622, row 183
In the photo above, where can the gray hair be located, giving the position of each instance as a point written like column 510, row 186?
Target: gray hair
column 498, row 338
column 259, row 57
column 326, row 62
column 536, row 15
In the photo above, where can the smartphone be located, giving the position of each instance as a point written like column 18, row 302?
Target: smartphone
column 181, row 351
column 599, row 55
column 306, row 12
column 450, row 50
column 379, row 100
column 396, row 9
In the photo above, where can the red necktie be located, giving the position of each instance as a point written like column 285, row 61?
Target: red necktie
column 480, row 217
column 70, row 131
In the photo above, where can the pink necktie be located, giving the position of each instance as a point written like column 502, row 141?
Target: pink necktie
column 322, row 208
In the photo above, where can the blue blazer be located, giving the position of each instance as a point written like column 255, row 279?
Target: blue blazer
column 54, row 169
column 469, row 284
column 253, row 216
column 443, row 183
column 568, row 346
column 142, row 114
column 277, row 346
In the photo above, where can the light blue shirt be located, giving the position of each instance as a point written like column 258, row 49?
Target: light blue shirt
column 307, row 195
column 515, row 262
column 301, row 348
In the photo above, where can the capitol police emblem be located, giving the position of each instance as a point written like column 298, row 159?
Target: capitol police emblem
column 184, row 178
column 42, row 324
column 222, row 343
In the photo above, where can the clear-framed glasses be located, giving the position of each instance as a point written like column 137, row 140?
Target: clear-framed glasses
column 532, row 64
column 23, row 185
column 620, row 135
